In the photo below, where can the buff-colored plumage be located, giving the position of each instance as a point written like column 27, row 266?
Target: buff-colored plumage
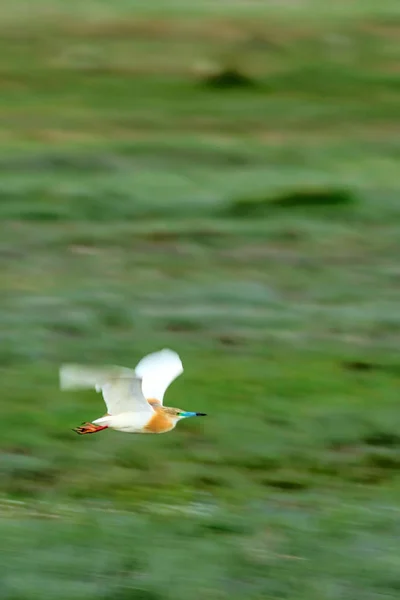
column 134, row 398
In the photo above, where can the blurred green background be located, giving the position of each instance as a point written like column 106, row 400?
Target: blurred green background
column 221, row 178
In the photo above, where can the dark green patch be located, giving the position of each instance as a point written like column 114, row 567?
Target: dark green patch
column 311, row 198
column 386, row 439
column 135, row 593
column 315, row 198
column 183, row 325
column 225, row 526
column 288, row 482
column 384, row 459
column 359, row 365
column 230, row 78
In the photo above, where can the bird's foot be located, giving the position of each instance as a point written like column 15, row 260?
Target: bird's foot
column 89, row 428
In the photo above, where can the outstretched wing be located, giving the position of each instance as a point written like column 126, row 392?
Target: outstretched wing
column 121, row 388
column 157, row 371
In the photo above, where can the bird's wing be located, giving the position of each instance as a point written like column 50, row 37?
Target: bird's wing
column 158, row 371
column 121, row 388
column 124, row 394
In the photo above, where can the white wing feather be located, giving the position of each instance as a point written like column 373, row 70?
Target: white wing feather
column 121, row 387
column 124, row 394
column 157, row 371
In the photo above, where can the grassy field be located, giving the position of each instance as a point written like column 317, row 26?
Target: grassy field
column 222, row 179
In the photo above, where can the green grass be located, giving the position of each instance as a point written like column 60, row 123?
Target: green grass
column 150, row 196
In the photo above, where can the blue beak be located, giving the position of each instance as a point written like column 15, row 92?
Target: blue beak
column 192, row 414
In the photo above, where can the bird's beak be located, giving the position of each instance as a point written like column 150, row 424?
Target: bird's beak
column 192, row 414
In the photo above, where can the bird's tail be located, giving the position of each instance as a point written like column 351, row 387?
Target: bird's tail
column 75, row 377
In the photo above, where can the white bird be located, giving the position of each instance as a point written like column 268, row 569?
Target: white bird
column 134, row 397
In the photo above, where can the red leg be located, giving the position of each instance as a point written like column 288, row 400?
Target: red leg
column 89, row 428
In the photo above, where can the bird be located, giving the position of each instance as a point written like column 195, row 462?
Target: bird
column 133, row 397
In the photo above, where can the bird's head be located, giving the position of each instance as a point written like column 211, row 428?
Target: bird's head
column 177, row 413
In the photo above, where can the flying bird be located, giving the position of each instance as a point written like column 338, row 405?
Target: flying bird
column 134, row 397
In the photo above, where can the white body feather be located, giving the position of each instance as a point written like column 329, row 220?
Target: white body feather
column 129, row 422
